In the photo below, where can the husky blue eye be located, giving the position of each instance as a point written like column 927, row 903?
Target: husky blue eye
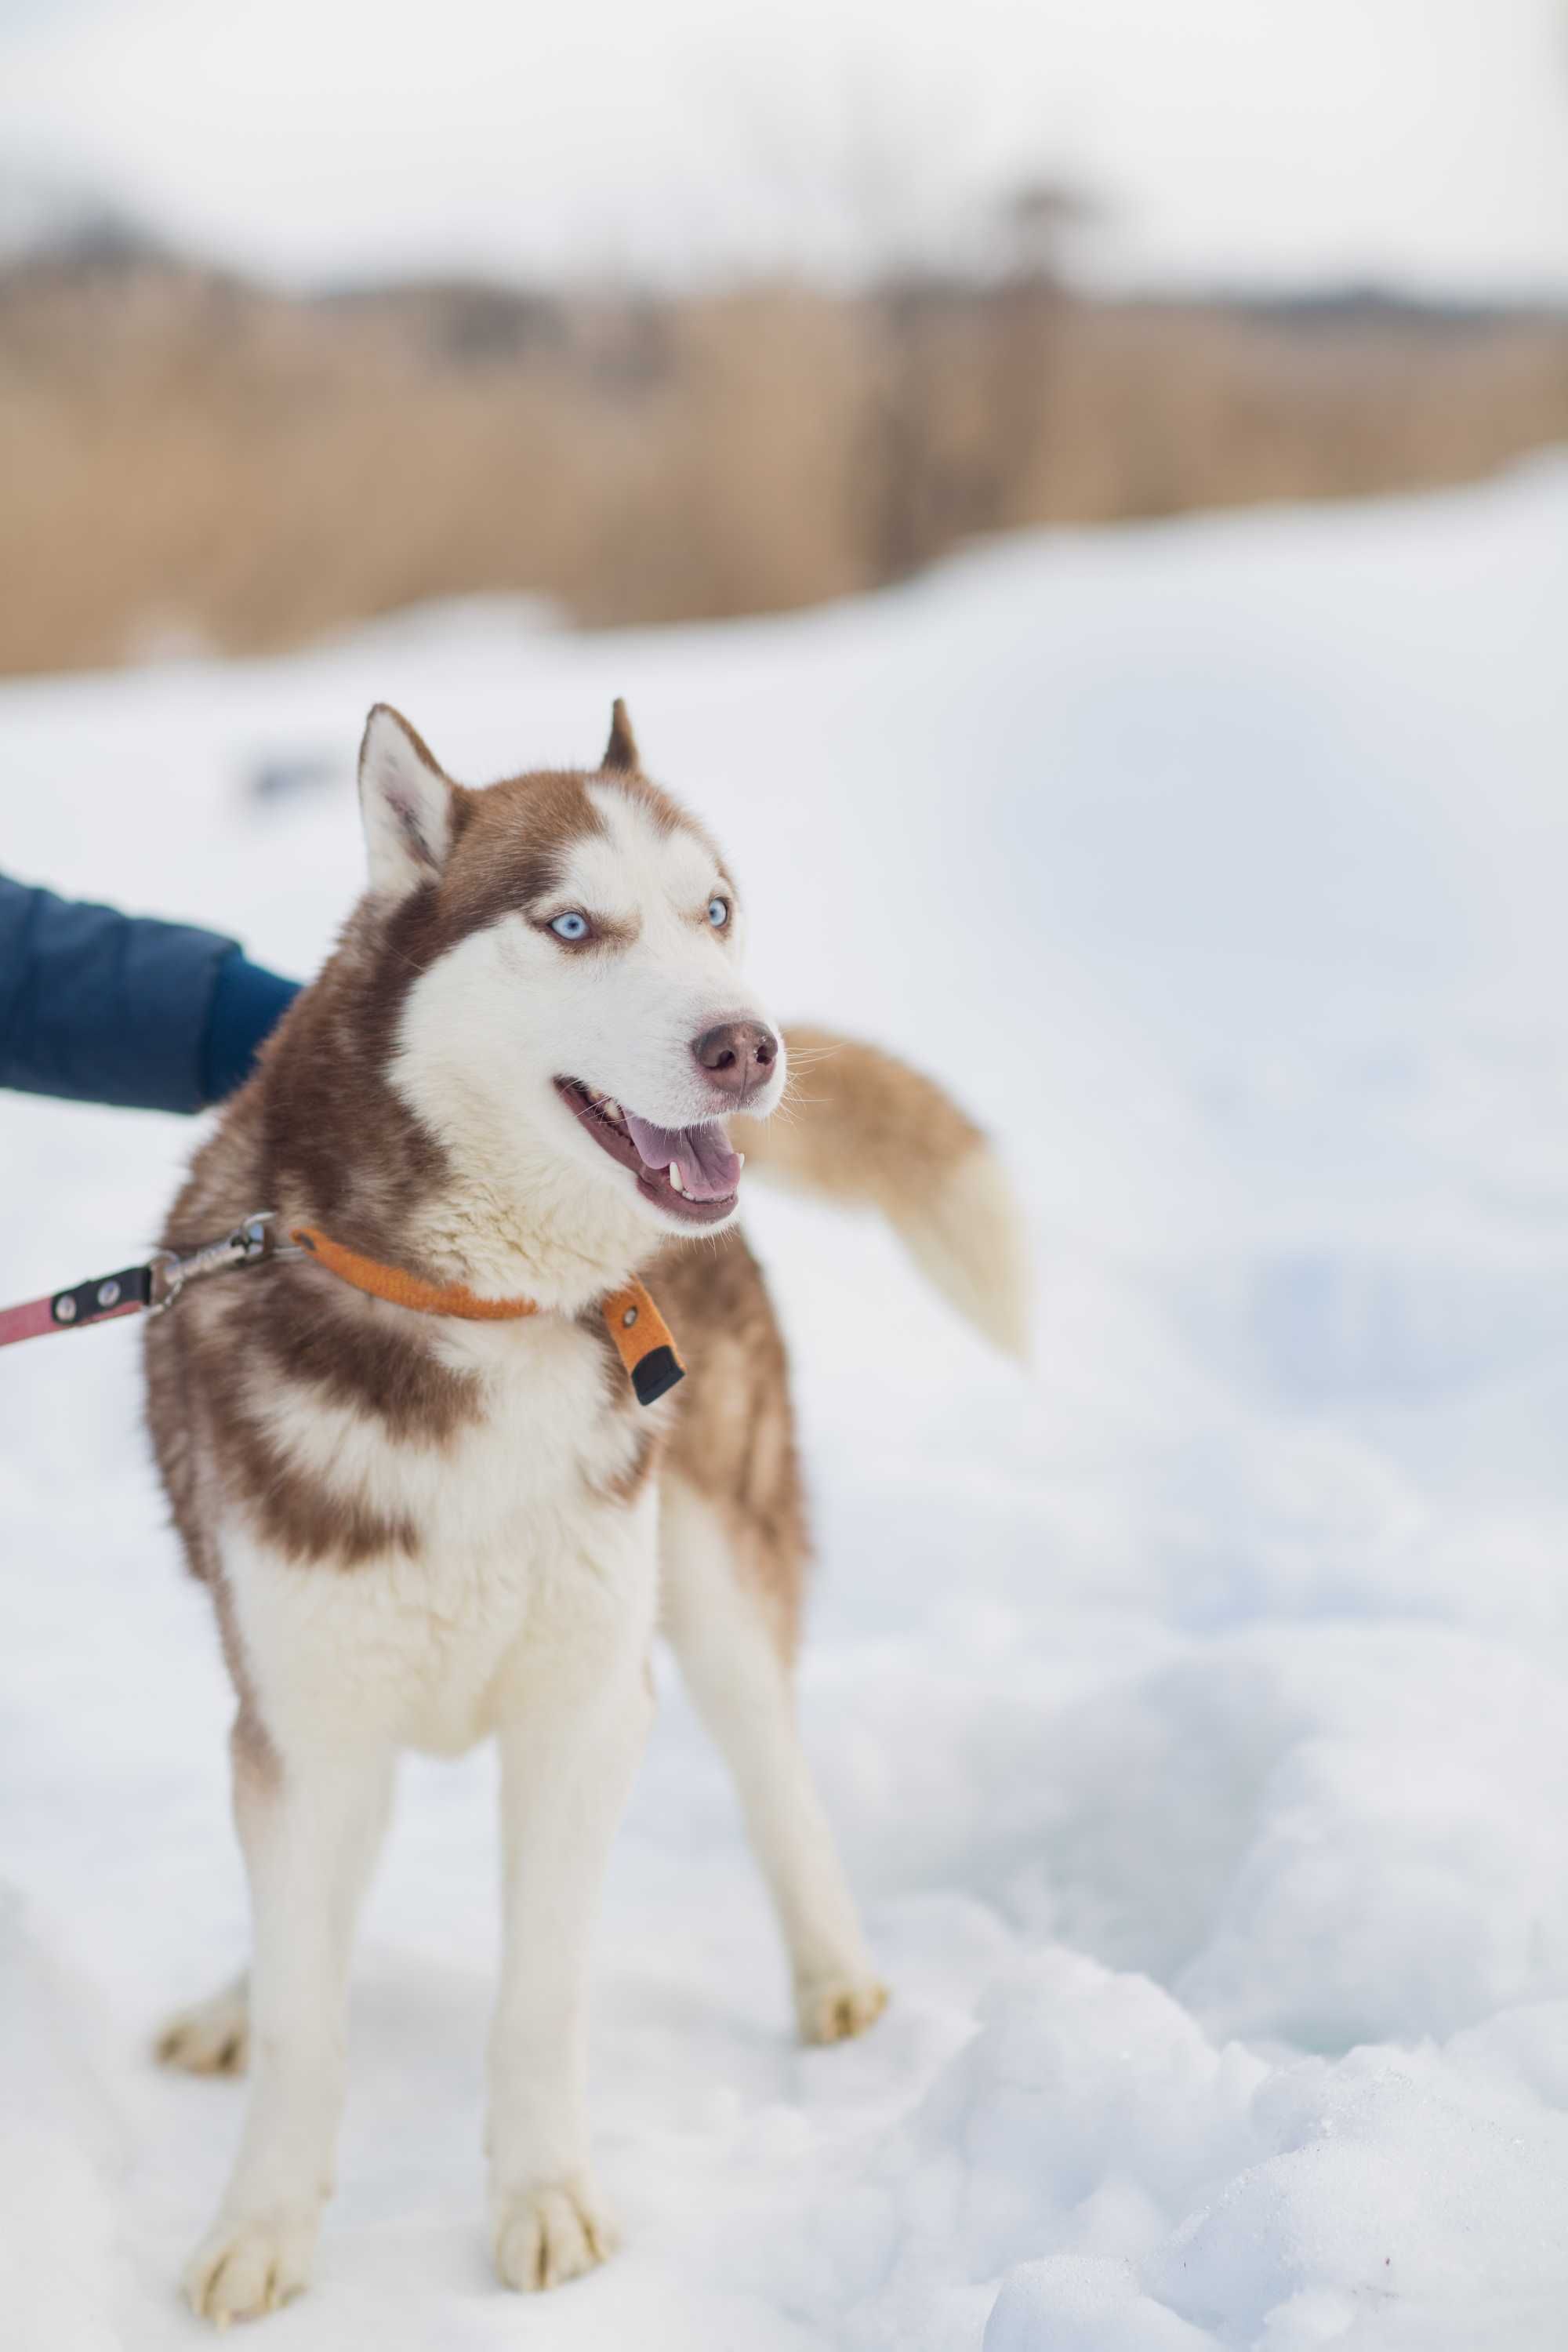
column 569, row 926
column 718, row 912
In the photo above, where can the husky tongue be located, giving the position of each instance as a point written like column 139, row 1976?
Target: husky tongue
column 710, row 1170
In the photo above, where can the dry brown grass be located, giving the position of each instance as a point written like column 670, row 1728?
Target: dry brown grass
column 185, row 457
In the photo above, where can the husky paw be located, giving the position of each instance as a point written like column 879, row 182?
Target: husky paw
column 835, row 2009
column 547, row 2235
column 211, row 2038
column 245, row 2267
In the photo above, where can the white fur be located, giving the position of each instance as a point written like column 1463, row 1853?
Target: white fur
column 405, row 805
column 968, row 1237
column 529, row 1606
column 412, row 1645
column 537, row 1207
column 528, row 1615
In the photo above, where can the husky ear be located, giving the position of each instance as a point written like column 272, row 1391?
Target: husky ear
column 405, row 804
column 621, row 751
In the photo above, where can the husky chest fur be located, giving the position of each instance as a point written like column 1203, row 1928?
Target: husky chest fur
column 424, row 1524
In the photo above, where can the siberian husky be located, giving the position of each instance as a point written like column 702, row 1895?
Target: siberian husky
column 435, row 1511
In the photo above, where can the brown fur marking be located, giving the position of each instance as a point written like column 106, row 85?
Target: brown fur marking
column 320, row 1136
column 734, row 1439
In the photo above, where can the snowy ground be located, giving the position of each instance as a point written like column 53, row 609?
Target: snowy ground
column 1194, row 1713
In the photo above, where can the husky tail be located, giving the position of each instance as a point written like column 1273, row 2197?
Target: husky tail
column 861, row 1128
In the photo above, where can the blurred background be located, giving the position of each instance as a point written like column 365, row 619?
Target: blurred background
column 679, row 312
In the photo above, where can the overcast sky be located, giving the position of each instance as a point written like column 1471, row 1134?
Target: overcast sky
column 1422, row 141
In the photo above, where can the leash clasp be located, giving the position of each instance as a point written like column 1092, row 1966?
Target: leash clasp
column 251, row 1243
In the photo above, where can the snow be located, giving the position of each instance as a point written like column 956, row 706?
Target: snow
column 1192, row 1711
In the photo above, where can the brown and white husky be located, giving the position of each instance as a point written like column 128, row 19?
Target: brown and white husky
column 434, row 1517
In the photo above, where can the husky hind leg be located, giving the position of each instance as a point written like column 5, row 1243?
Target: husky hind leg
column 210, row 2037
column 728, row 1625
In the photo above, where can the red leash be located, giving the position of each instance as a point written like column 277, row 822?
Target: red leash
column 91, row 1302
column 137, row 1289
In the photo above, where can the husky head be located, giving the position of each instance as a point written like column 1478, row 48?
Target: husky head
column 579, row 1023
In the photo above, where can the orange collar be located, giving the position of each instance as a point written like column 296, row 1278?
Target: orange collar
column 641, row 1335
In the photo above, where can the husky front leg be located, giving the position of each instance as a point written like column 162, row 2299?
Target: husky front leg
column 575, row 1725
column 310, row 1827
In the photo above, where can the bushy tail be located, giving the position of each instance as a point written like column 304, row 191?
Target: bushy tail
column 859, row 1127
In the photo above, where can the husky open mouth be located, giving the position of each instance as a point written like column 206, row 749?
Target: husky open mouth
column 688, row 1171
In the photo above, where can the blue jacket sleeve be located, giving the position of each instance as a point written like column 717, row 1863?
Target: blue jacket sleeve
column 104, row 1007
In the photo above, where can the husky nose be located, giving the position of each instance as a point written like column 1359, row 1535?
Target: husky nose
column 736, row 1056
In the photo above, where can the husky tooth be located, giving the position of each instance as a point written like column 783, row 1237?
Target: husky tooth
column 677, row 1181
